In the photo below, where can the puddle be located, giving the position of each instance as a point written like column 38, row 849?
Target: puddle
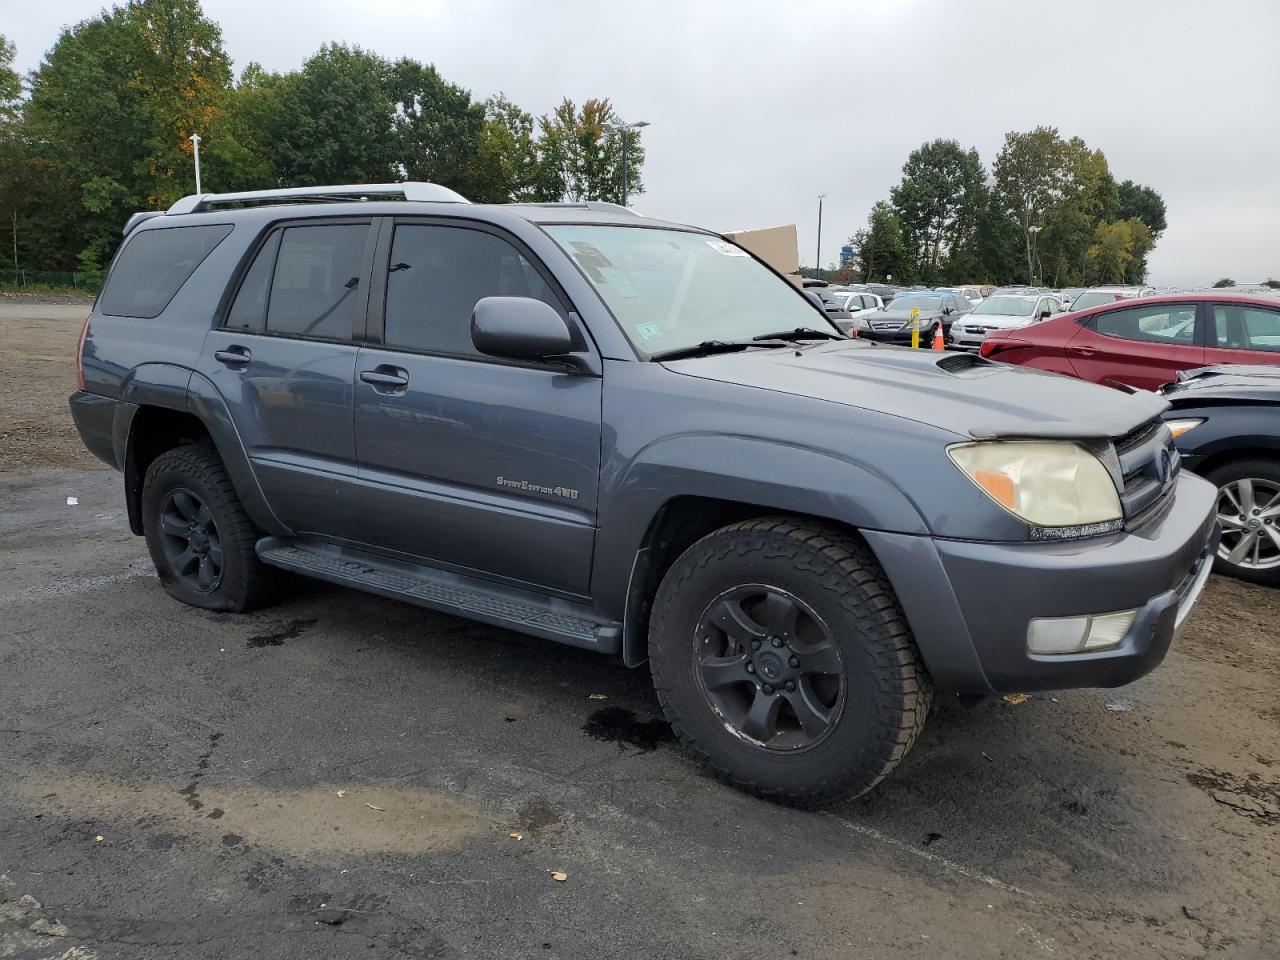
column 621, row 726
column 312, row 820
column 290, row 631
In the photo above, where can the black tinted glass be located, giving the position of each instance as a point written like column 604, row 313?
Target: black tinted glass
column 315, row 287
column 436, row 276
column 250, row 307
column 153, row 267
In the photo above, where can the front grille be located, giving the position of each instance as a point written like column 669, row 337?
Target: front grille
column 1149, row 464
column 884, row 325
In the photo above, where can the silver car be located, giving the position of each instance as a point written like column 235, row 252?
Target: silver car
column 1002, row 312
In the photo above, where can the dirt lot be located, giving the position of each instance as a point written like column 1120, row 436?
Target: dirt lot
column 341, row 775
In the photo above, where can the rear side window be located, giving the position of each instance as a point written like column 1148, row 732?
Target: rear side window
column 1239, row 327
column 315, row 281
column 1168, row 323
column 154, row 265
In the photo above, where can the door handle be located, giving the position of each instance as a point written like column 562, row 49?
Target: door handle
column 233, row 357
column 391, row 377
column 1083, row 351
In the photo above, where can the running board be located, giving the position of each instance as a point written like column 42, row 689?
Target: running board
column 525, row 611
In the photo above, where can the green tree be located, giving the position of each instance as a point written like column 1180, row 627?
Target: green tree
column 1224, row 282
column 581, row 157
column 10, row 83
column 1115, row 248
column 878, row 250
column 332, row 121
column 506, row 165
column 938, row 203
column 111, row 108
column 438, row 131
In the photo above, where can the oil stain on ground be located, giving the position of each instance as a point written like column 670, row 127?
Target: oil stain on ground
column 621, row 726
column 290, row 631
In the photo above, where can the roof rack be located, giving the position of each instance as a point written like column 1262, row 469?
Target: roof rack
column 415, row 191
column 600, row 206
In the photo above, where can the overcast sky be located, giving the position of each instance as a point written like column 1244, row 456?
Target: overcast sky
column 758, row 106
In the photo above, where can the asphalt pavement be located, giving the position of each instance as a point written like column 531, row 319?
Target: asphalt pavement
column 340, row 775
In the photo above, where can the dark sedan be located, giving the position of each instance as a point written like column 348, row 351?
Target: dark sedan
column 1226, row 423
column 895, row 322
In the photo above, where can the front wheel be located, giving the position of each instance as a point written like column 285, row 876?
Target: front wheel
column 1249, row 511
column 784, row 664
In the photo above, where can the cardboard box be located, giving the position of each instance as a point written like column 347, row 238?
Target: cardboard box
column 776, row 246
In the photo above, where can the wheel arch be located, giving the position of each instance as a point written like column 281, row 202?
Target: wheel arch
column 678, row 523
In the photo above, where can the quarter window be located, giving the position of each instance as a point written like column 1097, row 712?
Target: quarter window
column 154, row 265
column 1240, row 327
column 436, row 276
column 1168, row 323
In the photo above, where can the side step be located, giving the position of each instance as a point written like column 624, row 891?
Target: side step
column 522, row 610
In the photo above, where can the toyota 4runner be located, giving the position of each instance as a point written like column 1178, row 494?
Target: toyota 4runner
column 635, row 437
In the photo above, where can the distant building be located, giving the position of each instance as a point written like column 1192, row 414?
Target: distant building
column 846, row 255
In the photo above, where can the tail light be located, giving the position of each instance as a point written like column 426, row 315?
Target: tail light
column 988, row 347
column 84, row 334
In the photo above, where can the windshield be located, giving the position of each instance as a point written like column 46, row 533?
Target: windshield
column 670, row 289
column 1007, row 306
column 915, row 301
column 1094, row 298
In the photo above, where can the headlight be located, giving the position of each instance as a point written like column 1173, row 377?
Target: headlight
column 862, row 323
column 1179, row 427
column 1045, row 483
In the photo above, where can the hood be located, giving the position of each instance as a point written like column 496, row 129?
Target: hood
column 1225, row 383
column 964, row 394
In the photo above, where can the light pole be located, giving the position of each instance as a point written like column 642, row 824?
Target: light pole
column 1031, row 274
column 195, row 143
column 818, row 255
column 621, row 129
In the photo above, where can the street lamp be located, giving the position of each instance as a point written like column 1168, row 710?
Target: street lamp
column 621, row 129
column 195, row 143
column 1031, row 274
column 818, row 255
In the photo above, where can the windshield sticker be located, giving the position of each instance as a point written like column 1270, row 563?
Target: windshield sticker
column 647, row 331
column 727, row 249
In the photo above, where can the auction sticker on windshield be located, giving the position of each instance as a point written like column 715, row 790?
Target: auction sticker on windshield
column 727, row 249
column 647, row 331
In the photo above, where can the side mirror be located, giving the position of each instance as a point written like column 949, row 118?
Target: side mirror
column 946, row 311
column 816, row 300
column 1045, row 314
column 520, row 328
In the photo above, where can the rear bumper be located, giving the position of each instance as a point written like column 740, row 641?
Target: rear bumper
column 95, row 417
column 970, row 604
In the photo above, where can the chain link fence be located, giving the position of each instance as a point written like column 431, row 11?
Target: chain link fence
column 41, row 280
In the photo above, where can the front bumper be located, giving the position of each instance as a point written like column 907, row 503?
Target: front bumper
column 970, row 604
column 901, row 335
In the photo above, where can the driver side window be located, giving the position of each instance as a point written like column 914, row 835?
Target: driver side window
column 1156, row 323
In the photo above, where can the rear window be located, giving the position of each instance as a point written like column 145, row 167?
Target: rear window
column 154, row 265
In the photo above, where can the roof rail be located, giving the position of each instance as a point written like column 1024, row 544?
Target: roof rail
column 411, row 190
column 600, row 206
column 137, row 218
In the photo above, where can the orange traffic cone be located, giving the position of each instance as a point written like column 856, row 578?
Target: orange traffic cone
column 939, row 341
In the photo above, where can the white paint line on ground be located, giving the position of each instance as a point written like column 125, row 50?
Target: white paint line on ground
column 950, row 865
column 59, row 587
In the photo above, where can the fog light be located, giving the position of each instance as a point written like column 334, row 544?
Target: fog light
column 1050, row 635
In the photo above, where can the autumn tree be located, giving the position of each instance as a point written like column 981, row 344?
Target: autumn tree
column 581, row 153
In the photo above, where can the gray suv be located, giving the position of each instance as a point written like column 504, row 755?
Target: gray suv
column 635, row 437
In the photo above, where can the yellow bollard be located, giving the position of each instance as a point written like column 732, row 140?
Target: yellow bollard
column 915, row 328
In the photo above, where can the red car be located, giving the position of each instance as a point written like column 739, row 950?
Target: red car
column 1145, row 342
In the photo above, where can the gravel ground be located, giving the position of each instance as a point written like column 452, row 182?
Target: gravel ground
column 341, row 775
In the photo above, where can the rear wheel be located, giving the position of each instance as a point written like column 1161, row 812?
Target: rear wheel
column 784, row 664
column 201, row 540
column 1249, row 511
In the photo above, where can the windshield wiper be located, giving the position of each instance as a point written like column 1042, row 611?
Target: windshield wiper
column 708, row 347
column 800, row 333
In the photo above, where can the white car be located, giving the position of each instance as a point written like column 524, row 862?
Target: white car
column 859, row 304
column 1002, row 312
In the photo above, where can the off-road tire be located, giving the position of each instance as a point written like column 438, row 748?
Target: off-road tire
column 244, row 580
column 887, row 690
